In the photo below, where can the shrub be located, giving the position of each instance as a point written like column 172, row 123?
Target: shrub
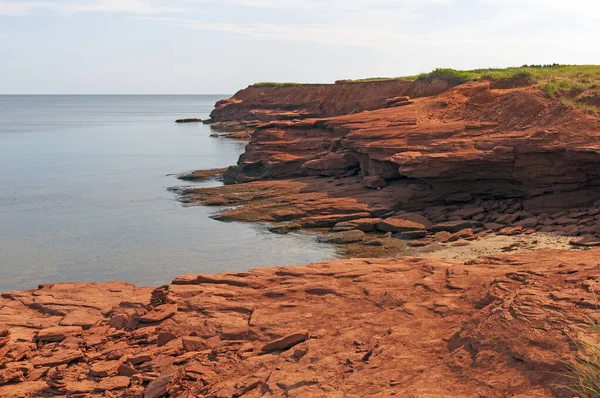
column 451, row 76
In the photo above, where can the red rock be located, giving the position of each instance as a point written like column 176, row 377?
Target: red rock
column 165, row 337
column 409, row 235
column 60, row 357
column 343, row 237
column 565, row 221
column 4, row 337
column 469, row 212
column 286, row 342
column 455, row 226
column 192, row 343
column 58, row 333
column 462, row 234
column 493, row 226
column 160, row 386
column 118, row 321
column 507, row 218
column 8, row 375
column 159, row 313
column 531, row 222
column 511, row 231
column 399, row 224
column 588, row 240
column 374, row 182
column 105, row 368
column 113, row 383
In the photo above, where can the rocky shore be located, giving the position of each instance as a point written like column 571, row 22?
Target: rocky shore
column 411, row 327
column 428, row 185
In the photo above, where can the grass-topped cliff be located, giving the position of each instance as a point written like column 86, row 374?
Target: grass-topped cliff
column 575, row 85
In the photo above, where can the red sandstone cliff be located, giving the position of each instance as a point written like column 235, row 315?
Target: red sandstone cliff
column 472, row 141
column 266, row 103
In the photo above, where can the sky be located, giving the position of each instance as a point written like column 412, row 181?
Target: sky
column 220, row 46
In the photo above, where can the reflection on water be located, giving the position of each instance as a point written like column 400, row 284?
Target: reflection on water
column 83, row 194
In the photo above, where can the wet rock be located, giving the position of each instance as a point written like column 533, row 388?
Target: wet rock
column 343, row 237
column 192, row 120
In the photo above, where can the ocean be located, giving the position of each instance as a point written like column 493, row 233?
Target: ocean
column 83, row 194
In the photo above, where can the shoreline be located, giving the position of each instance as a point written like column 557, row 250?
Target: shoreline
column 456, row 282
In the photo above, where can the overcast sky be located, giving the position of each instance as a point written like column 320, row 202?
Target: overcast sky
column 219, row 46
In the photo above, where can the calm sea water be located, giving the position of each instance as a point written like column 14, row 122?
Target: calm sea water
column 83, row 194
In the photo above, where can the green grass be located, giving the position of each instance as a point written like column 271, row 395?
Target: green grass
column 562, row 82
column 370, row 80
column 275, row 84
column 585, row 108
column 585, row 373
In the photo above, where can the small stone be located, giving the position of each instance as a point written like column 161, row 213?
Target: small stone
column 511, row 231
column 193, row 343
column 105, row 368
column 159, row 313
column 286, row 342
column 165, row 337
column 113, row 383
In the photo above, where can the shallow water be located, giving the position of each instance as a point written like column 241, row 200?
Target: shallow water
column 83, row 194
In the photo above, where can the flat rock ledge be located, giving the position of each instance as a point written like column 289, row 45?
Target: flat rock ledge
column 412, row 327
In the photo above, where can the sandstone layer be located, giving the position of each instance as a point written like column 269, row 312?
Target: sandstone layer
column 477, row 156
column 299, row 101
column 493, row 327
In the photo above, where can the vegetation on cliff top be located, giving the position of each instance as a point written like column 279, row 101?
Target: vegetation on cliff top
column 275, row 84
column 585, row 374
column 565, row 82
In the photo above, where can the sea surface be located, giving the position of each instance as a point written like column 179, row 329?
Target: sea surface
column 83, row 194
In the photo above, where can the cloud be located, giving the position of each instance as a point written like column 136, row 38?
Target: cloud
column 20, row 8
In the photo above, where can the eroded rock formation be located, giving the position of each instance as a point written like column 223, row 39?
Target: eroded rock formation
column 478, row 152
column 494, row 327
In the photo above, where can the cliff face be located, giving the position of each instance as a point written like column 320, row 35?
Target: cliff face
column 469, row 142
column 267, row 103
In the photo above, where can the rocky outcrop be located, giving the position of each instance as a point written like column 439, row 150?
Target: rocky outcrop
column 264, row 103
column 495, row 327
column 498, row 155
